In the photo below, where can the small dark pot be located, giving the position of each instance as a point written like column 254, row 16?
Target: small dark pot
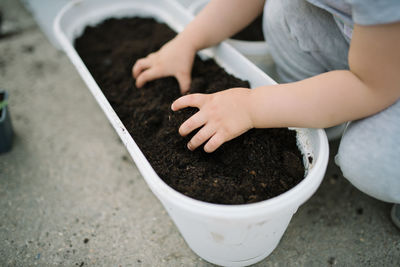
column 6, row 130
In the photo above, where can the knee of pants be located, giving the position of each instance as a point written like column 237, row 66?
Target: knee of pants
column 370, row 161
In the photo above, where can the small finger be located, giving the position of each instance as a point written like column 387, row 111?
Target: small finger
column 184, row 81
column 192, row 100
column 146, row 76
column 194, row 122
column 200, row 137
column 140, row 65
column 215, row 142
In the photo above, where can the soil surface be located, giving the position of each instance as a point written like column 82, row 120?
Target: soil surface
column 258, row 165
column 253, row 32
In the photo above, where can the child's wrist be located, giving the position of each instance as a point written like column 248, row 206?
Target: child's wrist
column 187, row 42
column 257, row 108
column 250, row 102
column 247, row 104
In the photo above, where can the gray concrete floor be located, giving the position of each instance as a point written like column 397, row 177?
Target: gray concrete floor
column 70, row 194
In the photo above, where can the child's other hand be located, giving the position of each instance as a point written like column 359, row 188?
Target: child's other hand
column 175, row 58
column 222, row 116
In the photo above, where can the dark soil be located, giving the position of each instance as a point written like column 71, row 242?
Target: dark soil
column 258, row 165
column 253, row 32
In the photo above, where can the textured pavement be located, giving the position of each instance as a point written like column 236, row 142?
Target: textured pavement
column 70, row 195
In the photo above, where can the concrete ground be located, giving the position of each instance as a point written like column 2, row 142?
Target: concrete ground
column 70, row 194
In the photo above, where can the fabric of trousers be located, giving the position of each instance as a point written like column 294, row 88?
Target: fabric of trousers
column 305, row 41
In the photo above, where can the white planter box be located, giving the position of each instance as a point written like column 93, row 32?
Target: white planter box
column 234, row 235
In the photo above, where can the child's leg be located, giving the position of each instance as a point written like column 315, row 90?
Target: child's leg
column 369, row 154
column 304, row 40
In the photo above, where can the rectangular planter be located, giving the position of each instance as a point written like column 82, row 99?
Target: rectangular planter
column 233, row 235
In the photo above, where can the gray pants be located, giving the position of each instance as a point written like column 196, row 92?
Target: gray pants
column 305, row 41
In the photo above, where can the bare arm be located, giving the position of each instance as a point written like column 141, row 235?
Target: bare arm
column 216, row 22
column 219, row 20
column 371, row 84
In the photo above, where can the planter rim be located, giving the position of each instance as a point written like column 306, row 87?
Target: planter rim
column 291, row 198
column 251, row 48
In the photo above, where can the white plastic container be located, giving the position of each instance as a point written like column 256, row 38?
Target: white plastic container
column 230, row 235
column 256, row 51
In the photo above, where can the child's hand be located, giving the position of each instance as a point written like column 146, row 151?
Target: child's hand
column 222, row 116
column 175, row 58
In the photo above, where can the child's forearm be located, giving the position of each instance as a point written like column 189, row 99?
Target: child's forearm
column 318, row 102
column 219, row 20
column 371, row 84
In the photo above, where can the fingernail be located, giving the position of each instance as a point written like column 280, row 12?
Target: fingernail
column 189, row 146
